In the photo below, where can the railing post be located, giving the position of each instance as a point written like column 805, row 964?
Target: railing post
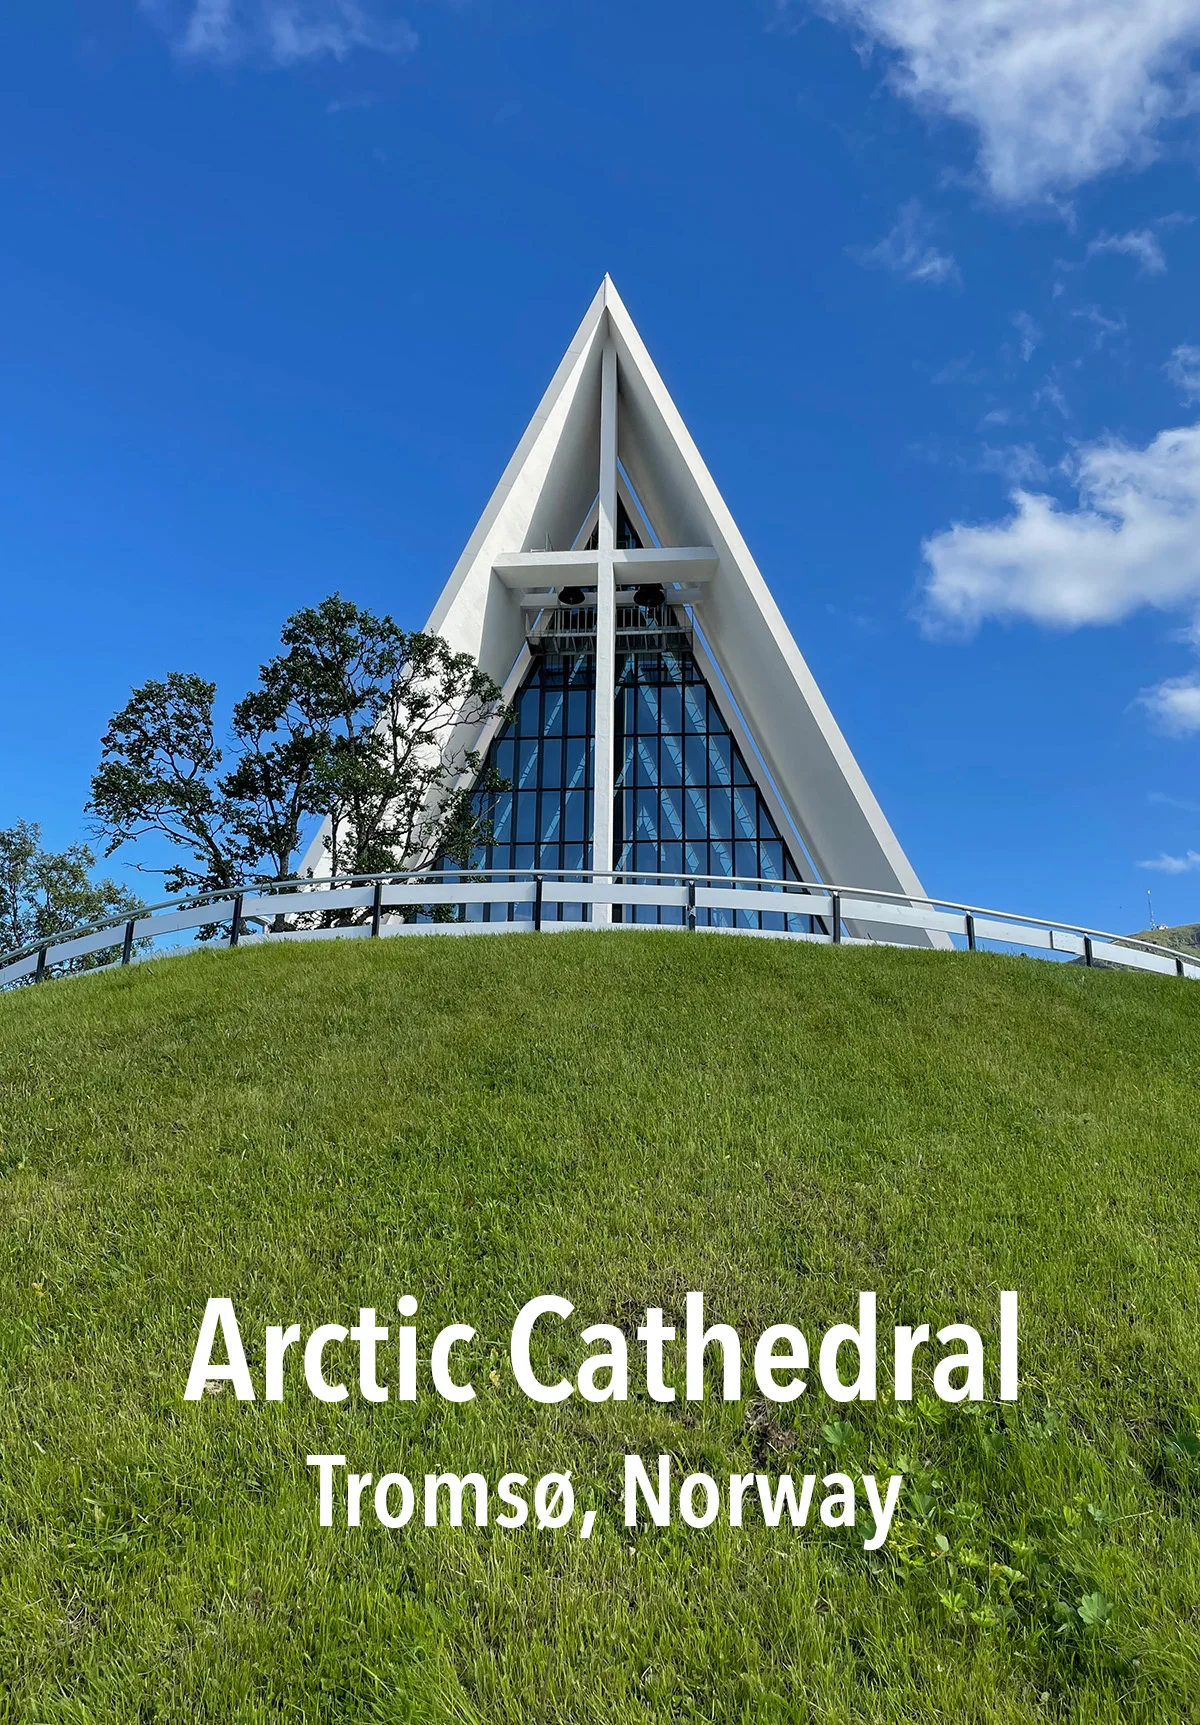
column 39, row 974
column 1179, row 970
column 1087, row 951
column 538, row 884
column 691, row 906
column 970, row 932
column 835, row 906
column 235, row 930
column 377, row 909
column 127, row 943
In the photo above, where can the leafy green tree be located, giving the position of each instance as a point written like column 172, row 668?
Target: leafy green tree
column 356, row 720
column 158, row 774
column 268, row 794
column 393, row 712
column 48, row 893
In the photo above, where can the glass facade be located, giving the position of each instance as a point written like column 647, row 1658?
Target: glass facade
column 686, row 804
column 546, row 753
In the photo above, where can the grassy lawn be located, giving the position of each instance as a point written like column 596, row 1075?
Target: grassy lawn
column 617, row 1119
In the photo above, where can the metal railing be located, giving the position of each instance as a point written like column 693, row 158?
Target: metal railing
column 512, row 901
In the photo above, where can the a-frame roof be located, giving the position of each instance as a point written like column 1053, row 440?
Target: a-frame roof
column 545, row 494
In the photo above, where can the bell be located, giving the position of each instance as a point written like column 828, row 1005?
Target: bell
column 649, row 596
column 572, row 597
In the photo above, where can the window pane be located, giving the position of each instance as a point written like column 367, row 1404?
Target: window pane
column 744, row 810
column 722, row 858
column 771, row 853
column 527, row 759
column 576, row 761
column 747, row 860
column 552, row 765
column 695, row 760
column 575, row 813
column 695, row 815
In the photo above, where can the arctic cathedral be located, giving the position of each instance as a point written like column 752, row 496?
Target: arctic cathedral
column 665, row 722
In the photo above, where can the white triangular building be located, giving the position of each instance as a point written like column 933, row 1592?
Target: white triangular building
column 605, row 502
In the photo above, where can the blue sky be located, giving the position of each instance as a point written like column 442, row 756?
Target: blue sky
column 283, row 280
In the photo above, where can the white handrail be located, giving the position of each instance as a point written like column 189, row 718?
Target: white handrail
column 835, row 914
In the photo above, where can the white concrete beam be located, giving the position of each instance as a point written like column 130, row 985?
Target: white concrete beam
column 516, row 569
column 606, row 628
column 551, row 568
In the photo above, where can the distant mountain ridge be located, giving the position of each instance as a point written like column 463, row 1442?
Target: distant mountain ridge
column 1186, row 935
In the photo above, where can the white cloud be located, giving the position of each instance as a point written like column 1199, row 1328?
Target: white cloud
column 1173, row 865
column 960, row 371
column 1133, row 540
column 279, row 32
column 1051, row 392
column 1141, row 245
column 1020, row 464
column 909, row 250
column 1174, row 705
column 1183, row 369
column 1105, row 327
column 210, row 29
column 1058, row 90
column 1029, row 333
column 353, row 104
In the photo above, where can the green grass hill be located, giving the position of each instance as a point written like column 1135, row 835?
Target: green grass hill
column 619, row 1119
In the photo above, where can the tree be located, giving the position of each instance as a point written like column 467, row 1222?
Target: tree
column 158, row 774
column 269, row 793
column 356, row 720
column 394, row 712
column 48, row 893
